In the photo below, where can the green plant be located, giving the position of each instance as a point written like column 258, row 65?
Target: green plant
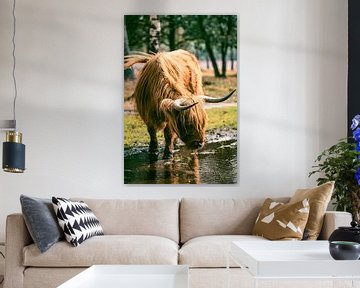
column 341, row 163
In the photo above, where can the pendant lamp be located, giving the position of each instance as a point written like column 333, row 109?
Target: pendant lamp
column 13, row 160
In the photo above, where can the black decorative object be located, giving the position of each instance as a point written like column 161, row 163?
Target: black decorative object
column 344, row 250
column 13, row 149
column 13, row 153
column 345, row 233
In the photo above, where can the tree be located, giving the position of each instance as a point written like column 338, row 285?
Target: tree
column 232, row 57
column 209, row 37
column 216, row 33
column 206, row 36
column 128, row 73
column 137, row 27
column 154, row 34
column 172, row 32
column 227, row 24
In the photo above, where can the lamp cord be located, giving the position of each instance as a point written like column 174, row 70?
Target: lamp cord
column 14, row 61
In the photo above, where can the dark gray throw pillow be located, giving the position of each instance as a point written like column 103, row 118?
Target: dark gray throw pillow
column 41, row 221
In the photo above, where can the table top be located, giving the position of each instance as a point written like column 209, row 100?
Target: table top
column 291, row 259
column 131, row 276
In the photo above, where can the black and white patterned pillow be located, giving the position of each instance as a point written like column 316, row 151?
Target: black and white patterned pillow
column 77, row 220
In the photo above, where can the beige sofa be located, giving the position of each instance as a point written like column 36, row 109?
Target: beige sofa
column 194, row 232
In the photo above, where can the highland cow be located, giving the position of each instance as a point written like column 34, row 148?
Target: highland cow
column 169, row 96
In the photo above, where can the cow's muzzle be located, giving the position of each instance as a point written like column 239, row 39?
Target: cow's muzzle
column 196, row 144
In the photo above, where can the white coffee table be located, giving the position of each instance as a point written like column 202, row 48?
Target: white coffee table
column 131, row 276
column 285, row 260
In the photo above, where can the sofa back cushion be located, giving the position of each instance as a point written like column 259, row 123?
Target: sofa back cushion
column 200, row 217
column 158, row 217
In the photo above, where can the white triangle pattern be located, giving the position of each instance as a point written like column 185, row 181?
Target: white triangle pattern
column 281, row 224
column 291, row 226
column 267, row 219
column 306, row 206
column 273, row 205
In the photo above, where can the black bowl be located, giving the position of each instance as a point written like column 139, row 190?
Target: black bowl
column 344, row 250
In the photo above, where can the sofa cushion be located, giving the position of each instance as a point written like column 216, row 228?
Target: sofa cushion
column 35, row 277
column 158, row 217
column 77, row 220
column 200, row 217
column 211, row 251
column 279, row 221
column 41, row 221
column 319, row 198
column 107, row 249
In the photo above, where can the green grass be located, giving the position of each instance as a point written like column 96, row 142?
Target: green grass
column 220, row 86
column 222, row 117
column 136, row 133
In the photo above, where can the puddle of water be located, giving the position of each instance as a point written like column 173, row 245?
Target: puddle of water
column 216, row 163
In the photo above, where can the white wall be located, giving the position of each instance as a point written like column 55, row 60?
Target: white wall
column 293, row 62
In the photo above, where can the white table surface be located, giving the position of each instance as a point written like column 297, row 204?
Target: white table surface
column 281, row 259
column 131, row 276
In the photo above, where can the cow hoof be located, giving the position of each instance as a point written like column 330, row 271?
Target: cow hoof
column 153, row 157
column 167, row 155
column 153, row 150
column 153, row 147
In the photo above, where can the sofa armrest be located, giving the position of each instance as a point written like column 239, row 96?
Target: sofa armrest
column 17, row 237
column 333, row 220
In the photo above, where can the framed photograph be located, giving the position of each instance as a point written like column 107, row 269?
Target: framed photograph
column 180, row 99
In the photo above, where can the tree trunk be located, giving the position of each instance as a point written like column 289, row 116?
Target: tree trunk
column 154, row 34
column 128, row 73
column 355, row 202
column 197, row 53
column 208, row 46
column 224, row 48
column 226, row 42
column 232, row 58
column 172, row 32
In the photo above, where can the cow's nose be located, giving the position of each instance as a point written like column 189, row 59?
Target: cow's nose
column 197, row 144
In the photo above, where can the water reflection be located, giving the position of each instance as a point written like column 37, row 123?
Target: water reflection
column 215, row 164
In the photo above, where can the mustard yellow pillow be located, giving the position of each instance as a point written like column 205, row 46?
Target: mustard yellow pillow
column 279, row 221
column 319, row 198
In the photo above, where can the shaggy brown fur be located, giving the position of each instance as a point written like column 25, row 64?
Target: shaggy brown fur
column 166, row 77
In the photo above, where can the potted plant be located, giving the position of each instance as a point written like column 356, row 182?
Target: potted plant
column 341, row 163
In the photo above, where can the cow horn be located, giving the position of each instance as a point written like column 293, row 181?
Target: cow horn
column 209, row 99
column 178, row 105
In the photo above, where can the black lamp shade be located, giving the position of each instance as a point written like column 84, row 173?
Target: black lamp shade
column 13, row 157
